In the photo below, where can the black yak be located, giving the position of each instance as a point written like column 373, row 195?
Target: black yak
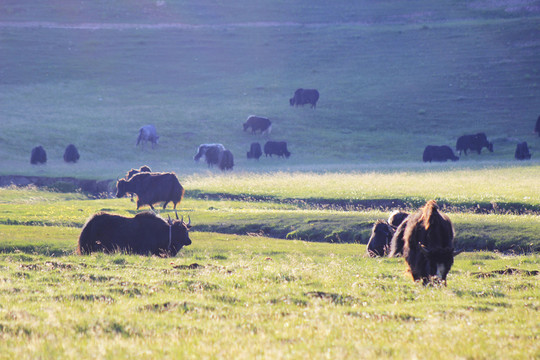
column 258, row 123
column 537, row 126
column 38, row 156
column 130, row 173
column 474, row 143
column 147, row 133
column 278, row 148
column 304, row 96
column 203, row 149
column 71, row 154
column 522, row 151
column 428, row 244
column 379, row 241
column 255, row 151
column 146, row 233
column 438, row 153
column 152, row 188
column 226, row 162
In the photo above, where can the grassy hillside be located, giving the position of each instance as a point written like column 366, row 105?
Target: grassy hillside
column 393, row 77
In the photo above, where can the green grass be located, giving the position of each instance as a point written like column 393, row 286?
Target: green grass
column 258, row 297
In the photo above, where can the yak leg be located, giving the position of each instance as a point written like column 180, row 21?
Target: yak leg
column 165, row 204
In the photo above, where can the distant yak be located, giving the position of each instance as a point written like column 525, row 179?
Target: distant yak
column 215, row 154
column 152, row 188
column 255, row 151
column 438, row 153
column 474, row 143
column 258, row 123
column 278, row 148
column 522, row 151
column 132, row 172
column 147, row 133
column 71, row 154
column 537, row 126
column 304, row 96
column 38, row 156
column 145, row 234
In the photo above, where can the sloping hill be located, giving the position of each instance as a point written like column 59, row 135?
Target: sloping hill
column 393, row 77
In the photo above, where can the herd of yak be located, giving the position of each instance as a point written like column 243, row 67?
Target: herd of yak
column 425, row 239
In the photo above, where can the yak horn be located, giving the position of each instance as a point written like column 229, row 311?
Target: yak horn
column 189, row 221
column 176, row 212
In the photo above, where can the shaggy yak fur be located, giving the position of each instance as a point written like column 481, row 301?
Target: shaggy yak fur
column 38, row 156
column 144, row 234
column 428, row 244
column 152, row 188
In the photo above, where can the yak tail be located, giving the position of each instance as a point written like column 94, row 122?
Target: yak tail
column 430, row 209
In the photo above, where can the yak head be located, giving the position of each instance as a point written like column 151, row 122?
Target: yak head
column 121, row 188
column 490, row 147
column 179, row 234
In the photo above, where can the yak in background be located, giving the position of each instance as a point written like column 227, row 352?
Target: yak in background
column 71, row 154
column 38, row 155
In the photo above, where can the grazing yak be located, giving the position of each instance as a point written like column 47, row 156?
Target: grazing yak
column 215, row 154
column 38, row 156
column 278, row 148
column 428, row 244
column 203, row 149
column 438, row 153
column 474, row 143
column 537, row 126
column 257, row 123
column 71, row 154
column 145, row 233
column 148, row 133
column 379, row 241
column 255, row 151
column 152, row 188
column 522, row 151
column 227, row 160
column 305, row 96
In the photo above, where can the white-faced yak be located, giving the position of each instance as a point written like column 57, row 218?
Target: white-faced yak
column 145, row 234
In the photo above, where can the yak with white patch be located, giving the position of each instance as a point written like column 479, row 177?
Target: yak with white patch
column 147, row 133
column 152, row 188
column 428, row 244
column 146, row 234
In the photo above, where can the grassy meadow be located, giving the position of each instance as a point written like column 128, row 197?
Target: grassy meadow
column 278, row 265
